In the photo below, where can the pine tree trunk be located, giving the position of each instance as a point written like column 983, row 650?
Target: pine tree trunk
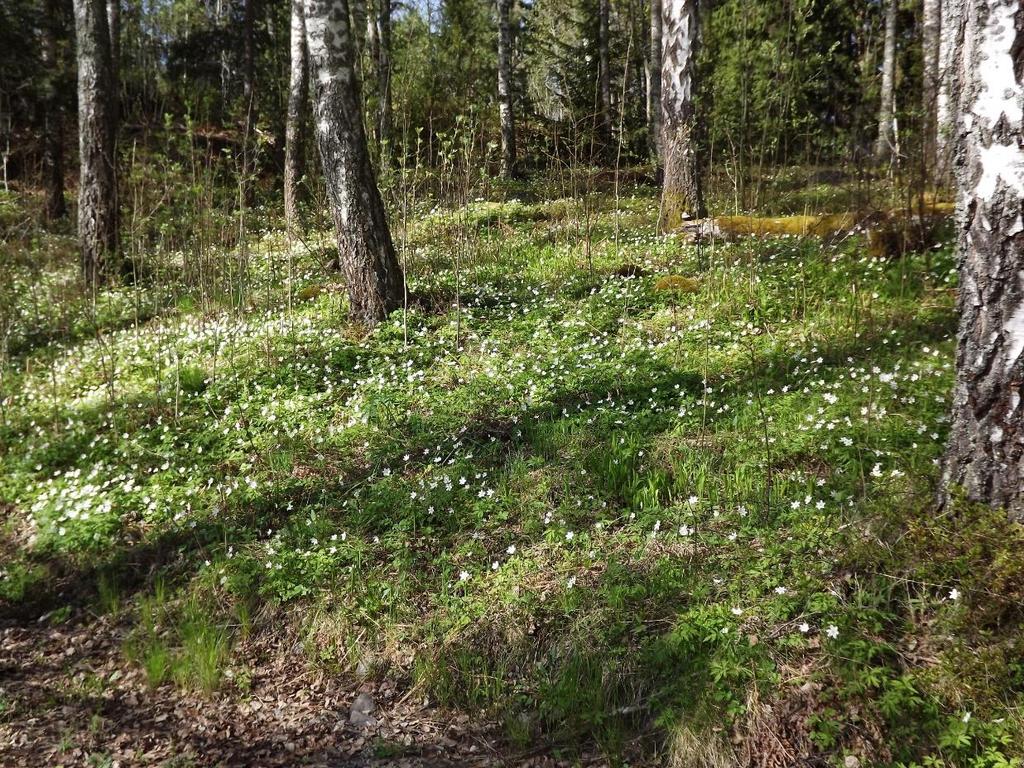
column 295, row 120
column 886, row 141
column 53, row 122
column 604, row 74
column 950, row 40
column 654, row 81
column 366, row 252
column 931, row 25
column 682, row 197
column 97, row 197
column 508, row 125
column 986, row 448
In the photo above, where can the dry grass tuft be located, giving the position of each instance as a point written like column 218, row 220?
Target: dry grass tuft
column 689, row 748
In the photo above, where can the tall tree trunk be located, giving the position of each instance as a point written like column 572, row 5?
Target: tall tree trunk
column 950, row 39
column 114, row 30
column 505, row 100
column 359, row 15
column 654, row 81
column 371, row 83
column 682, row 197
column 378, row 40
column 248, row 96
column 295, row 120
column 248, row 60
column 886, row 141
column 986, row 447
column 931, row 27
column 384, row 121
column 604, row 74
column 53, row 118
column 97, row 196
column 223, row 14
column 366, row 252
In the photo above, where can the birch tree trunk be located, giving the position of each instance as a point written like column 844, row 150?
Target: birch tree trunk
column 366, row 252
column 97, row 196
column 950, row 40
column 295, row 120
column 53, row 119
column 681, row 197
column 654, row 81
column 931, row 25
column 886, row 141
column 986, row 448
column 505, row 105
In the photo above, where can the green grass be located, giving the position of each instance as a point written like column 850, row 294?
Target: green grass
column 184, row 639
column 599, row 508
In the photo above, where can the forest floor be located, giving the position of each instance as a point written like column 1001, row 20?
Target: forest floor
column 598, row 497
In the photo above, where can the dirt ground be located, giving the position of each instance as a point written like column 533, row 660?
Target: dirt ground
column 69, row 697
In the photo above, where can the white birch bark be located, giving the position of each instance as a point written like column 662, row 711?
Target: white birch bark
column 986, row 448
column 886, row 141
column 366, row 251
column 682, row 197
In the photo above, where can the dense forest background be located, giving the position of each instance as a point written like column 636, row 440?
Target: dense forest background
column 787, row 83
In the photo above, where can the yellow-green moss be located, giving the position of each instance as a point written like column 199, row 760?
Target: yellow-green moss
column 677, row 284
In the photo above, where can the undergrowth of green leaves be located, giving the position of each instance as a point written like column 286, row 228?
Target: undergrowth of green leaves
column 601, row 483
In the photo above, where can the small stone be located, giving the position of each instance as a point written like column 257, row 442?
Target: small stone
column 362, row 710
column 851, row 762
